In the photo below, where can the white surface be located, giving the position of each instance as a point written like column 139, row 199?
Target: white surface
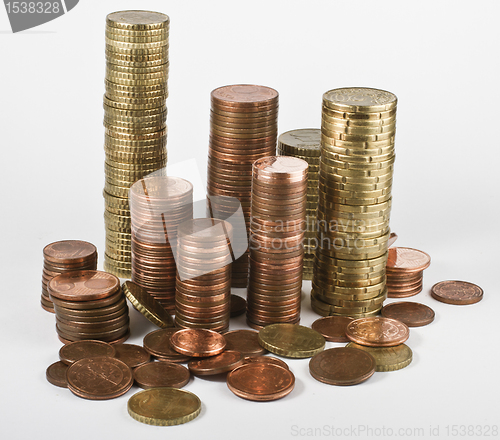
column 439, row 58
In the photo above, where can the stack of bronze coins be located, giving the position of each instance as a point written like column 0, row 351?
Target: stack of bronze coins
column 203, row 289
column 279, row 191
column 305, row 144
column 158, row 205
column 134, row 119
column 357, row 156
column 405, row 271
column 65, row 256
column 89, row 304
column 243, row 128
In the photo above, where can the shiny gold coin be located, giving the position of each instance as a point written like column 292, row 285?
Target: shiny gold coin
column 388, row 358
column 359, row 99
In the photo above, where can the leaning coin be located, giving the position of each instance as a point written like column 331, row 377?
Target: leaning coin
column 56, row 374
column 387, row 358
column 457, row 292
column 198, row 342
column 161, row 374
column 411, row 313
column 377, row 331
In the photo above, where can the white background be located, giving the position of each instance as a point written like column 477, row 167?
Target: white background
column 439, row 57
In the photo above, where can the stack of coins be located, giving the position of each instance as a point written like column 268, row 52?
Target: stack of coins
column 89, row 304
column 134, row 119
column 356, row 168
column 305, row 144
column 65, row 256
column 203, row 289
column 279, row 191
column 243, row 128
column 158, row 205
column 405, row 271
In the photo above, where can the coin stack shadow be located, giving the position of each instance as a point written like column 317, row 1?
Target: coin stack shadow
column 134, row 119
column 61, row 257
column 203, row 288
column 279, row 191
column 243, row 128
column 305, row 144
column 158, row 205
column 356, row 168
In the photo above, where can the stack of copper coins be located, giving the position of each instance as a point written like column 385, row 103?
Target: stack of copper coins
column 158, row 205
column 357, row 156
column 65, row 256
column 405, row 271
column 134, row 119
column 89, row 304
column 305, row 144
column 203, row 289
column 243, row 128
column 279, row 191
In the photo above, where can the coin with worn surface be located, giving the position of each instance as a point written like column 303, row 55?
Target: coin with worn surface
column 261, row 381
column 291, row 340
column 342, row 366
column 132, row 355
column 158, row 344
column 377, row 331
column 75, row 351
column 164, row 406
column 244, row 341
column 224, row 362
column 99, row 378
column 410, row 313
column 56, row 374
column 161, row 374
column 238, row 305
column 332, row 327
column 198, row 342
column 265, row 360
column 457, row 292
column 387, row 358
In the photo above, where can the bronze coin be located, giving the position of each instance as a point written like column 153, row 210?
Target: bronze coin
column 377, row 331
column 75, row 351
column 238, row 305
column 133, row 355
column 158, row 344
column 99, row 378
column 161, row 374
column 407, row 259
column 332, row 327
column 274, row 382
column 265, row 360
column 69, row 251
column 85, row 285
column 56, row 374
column 224, row 362
column 198, row 342
column 410, row 313
column 457, row 292
column 342, row 366
column 244, row 341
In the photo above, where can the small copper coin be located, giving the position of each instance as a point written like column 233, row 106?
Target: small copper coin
column 377, row 331
column 99, row 378
column 238, row 305
column 332, row 327
column 161, row 374
column 158, row 344
column 198, row 342
column 457, row 292
column 265, row 360
column 224, row 362
column 74, row 351
column 407, row 259
column 410, row 313
column 244, row 341
column 84, row 285
column 261, row 381
column 342, row 366
column 133, row 355
column 56, row 374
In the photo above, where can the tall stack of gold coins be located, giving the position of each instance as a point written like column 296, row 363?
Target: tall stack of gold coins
column 357, row 158
column 203, row 289
column 134, row 120
column 243, row 128
column 158, row 205
column 304, row 143
column 279, row 191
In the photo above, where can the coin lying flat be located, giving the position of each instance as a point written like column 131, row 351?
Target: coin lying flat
column 377, row 331
column 132, row 355
column 222, row 363
column 332, row 327
column 158, row 344
column 164, row 406
column 387, row 358
column 161, row 374
column 410, row 313
column 56, row 374
column 342, row 366
column 198, row 342
column 244, row 341
column 75, row 351
column 265, row 360
column 457, row 292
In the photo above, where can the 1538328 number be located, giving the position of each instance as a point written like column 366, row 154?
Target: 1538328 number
column 33, row 7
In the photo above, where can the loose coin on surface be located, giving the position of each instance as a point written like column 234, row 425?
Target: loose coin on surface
column 238, row 305
column 132, row 355
column 99, row 378
column 265, row 360
column 75, row 351
column 457, row 292
column 161, row 374
column 342, row 366
column 226, row 361
column 158, row 344
column 291, row 340
column 56, row 374
column 244, row 341
column 377, row 331
column 332, row 327
column 387, row 358
column 261, row 381
column 410, row 313
column 198, row 342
